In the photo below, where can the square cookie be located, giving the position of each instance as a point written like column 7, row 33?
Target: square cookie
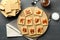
column 39, row 29
column 21, row 20
column 31, row 30
column 28, row 20
column 36, row 20
column 27, row 12
column 24, row 30
column 38, row 12
column 44, row 21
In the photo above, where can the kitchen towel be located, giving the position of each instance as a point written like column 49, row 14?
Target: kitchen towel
column 12, row 30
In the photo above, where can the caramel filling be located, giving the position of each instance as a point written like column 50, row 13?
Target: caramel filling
column 22, row 20
column 31, row 31
column 38, row 12
column 45, row 21
column 29, row 21
column 36, row 20
column 28, row 12
column 24, row 30
column 40, row 30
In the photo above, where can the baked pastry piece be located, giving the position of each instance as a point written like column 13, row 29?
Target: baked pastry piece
column 1, row 7
column 15, row 6
column 28, row 20
column 4, row 13
column 44, row 21
column 24, row 30
column 12, row 13
column 27, row 12
column 21, row 20
column 38, row 12
column 9, row 7
column 31, row 30
column 39, row 29
column 36, row 20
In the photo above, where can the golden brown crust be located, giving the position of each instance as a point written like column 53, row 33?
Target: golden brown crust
column 9, row 7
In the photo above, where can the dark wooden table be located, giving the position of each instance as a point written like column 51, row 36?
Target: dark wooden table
column 53, row 32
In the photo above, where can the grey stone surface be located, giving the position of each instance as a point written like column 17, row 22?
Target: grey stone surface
column 53, row 32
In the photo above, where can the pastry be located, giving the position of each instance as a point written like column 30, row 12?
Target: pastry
column 24, row 30
column 10, row 7
column 44, row 21
column 37, row 20
column 31, row 30
column 38, row 12
column 28, row 20
column 27, row 12
column 21, row 21
column 39, row 29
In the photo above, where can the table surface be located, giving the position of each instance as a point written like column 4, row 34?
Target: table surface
column 53, row 32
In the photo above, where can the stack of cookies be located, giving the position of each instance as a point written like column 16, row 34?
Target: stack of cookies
column 10, row 7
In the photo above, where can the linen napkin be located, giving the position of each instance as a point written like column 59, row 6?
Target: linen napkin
column 12, row 30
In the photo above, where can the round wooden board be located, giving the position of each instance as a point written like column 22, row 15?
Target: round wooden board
column 43, row 16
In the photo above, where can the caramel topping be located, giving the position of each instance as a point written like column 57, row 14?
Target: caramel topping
column 27, row 11
column 38, row 12
column 28, row 21
column 32, row 31
column 24, row 30
column 36, row 20
column 45, row 21
column 40, row 30
column 46, row 2
column 22, row 20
